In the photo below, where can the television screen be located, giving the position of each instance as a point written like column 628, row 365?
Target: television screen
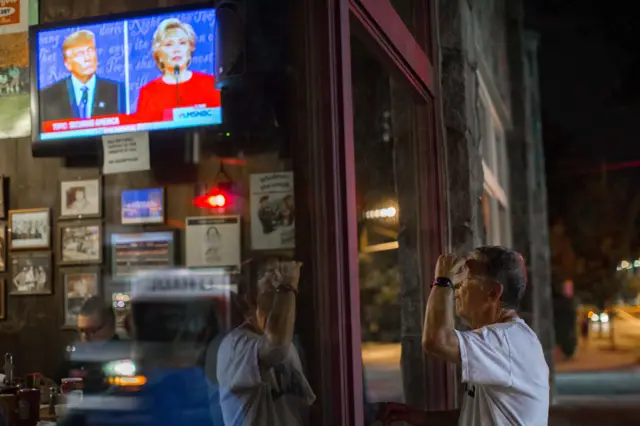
column 143, row 206
column 147, row 251
column 152, row 72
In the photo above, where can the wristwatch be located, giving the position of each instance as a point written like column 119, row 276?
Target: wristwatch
column 285, row 288
column 442, row 282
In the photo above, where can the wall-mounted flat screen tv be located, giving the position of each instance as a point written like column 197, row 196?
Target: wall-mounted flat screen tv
column 120, row 74
column 142, row 206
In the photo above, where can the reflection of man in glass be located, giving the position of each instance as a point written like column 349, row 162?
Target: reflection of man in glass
column 83, row 94
column 173, row 45
column 212, row 248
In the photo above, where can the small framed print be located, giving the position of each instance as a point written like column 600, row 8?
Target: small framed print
column 80, row 199
column 80, row 243
column 4, row 196
column 142, row 206
column 30, row 229
column 213, row 241
column 3, row 247
column 3, row 300
column 31, row 274
column 79, row 284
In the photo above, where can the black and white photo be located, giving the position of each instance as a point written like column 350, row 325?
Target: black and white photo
column 80, row 243
column 3, row 247
column 80, row 198
column 30, row 274
column 78, row 286
column 273, row 211
column 213, row 241
column 30, row 229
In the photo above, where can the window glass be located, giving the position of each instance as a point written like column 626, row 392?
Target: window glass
column 485, row 134
column 386, row 188
column 487, row 216
column 505, row 226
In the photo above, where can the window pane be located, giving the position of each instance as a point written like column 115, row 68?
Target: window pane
column 485, row 134
column 486, row 214
column 505, row 226
column 387, row 212
column 501, row 156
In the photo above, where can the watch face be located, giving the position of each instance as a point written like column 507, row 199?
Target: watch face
column 443, row 282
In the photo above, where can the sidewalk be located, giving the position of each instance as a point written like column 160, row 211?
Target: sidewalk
column 597, row 356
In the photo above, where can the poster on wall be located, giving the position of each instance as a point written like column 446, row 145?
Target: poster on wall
column 213, row 241
column 272, row 211
column 15, row 17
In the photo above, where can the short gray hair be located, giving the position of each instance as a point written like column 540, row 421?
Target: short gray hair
column 507, row 267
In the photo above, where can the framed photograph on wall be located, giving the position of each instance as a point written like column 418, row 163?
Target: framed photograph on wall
column 30, row 229
column 80, row 199
column 3, row 300
column 31, row 274
column 132, row 253
column 213, row 241
column 3, row 247
column 4, row 196
column 80, row 243
column 142, row 206
column 78, row 285
column 273, row 211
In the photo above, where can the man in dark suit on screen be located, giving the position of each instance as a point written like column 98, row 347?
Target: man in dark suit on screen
column 83, row 94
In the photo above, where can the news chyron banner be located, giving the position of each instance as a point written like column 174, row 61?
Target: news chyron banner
column 153, row 72
column 15, row 18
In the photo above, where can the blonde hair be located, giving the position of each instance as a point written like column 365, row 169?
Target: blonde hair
column 74, row 39
column 161, row 33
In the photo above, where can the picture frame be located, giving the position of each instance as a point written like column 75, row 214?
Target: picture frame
column 30, row 229
column 135, row 252
column 31, row 274
column 3, row 247
column 3, row 299
column 78, row 284
column 80, row 243
column 81, row 198
column 4, row 196
column 213, row 242
column 142, row 206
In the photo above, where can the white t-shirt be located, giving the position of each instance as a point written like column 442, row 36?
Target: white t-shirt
column 252, row 396
column 506, row 376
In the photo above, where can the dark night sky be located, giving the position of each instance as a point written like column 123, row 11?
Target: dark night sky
column 590, row 79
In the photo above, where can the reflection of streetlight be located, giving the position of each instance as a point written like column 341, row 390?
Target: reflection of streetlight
column 381, row 213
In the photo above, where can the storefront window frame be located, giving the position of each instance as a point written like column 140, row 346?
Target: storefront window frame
column 325, row 172
column 495, row 169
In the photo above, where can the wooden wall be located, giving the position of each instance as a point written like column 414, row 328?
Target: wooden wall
column 32, row 330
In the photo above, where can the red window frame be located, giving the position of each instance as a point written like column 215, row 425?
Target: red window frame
column 326, row 167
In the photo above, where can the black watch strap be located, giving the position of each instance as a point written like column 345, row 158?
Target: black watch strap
column 442, row 282
column 286, row 288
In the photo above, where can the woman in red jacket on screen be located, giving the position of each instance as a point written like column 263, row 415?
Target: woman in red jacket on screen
column 173, row 45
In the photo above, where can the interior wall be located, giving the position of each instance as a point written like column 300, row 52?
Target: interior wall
column 32, row 331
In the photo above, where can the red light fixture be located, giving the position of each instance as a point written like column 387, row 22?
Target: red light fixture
column 223, row 195
column 217, row 200
column 214, row 199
